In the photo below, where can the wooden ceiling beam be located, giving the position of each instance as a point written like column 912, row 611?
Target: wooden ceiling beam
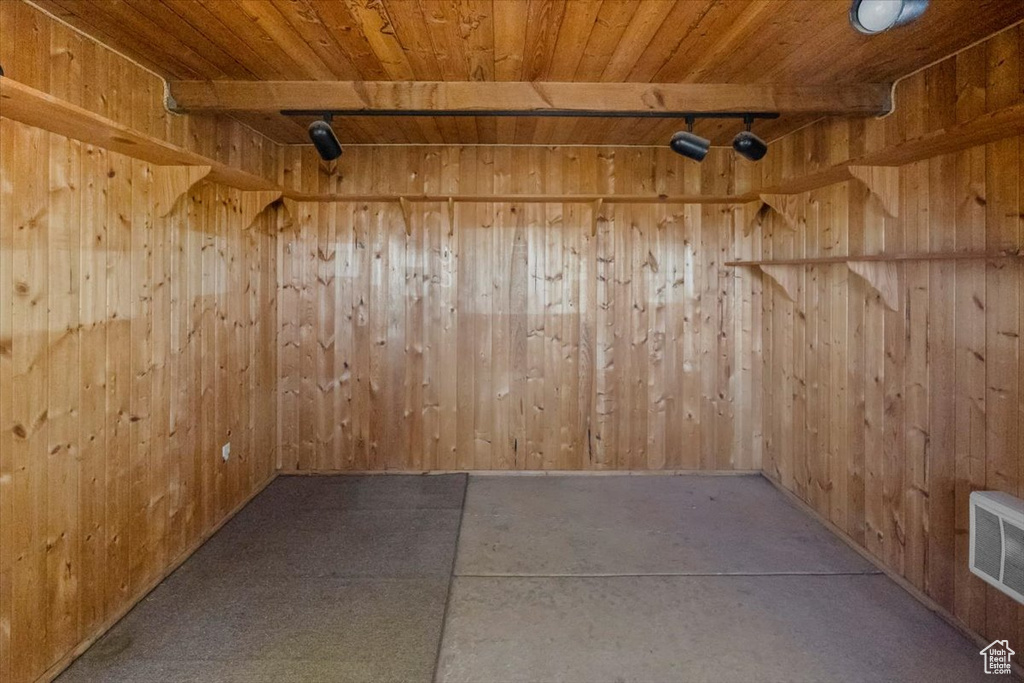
column 636, row 99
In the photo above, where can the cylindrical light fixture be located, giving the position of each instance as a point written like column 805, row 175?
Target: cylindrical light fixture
column 875, row 16
column 323, row 138
column 689, row 144
column 748, row 145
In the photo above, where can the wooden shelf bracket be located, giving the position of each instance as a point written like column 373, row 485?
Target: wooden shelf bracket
column 786, row 279
column 882, row 277
column 751, row 215
column 289, row 214
column 254, row 203
column 170, row 183
column 784, row 205
column 883, row 182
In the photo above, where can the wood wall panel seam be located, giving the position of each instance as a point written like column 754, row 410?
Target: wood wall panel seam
column 544, row 245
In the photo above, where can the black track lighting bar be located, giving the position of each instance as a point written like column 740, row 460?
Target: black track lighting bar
column 542, row 113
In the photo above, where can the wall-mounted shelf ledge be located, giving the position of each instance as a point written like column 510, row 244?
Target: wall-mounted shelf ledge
column 27, row 105
column 869, row 258
column 996, row 125
column 877, row 270
column 18, row 102
column 524, row 198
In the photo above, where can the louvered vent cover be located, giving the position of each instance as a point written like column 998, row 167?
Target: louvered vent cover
column 1013, row 558
column 988, row 543
column 997, row 541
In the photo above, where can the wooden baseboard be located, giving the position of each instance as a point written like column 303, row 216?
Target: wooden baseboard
column 527, row 473
column 914, row 591
column 66, row 661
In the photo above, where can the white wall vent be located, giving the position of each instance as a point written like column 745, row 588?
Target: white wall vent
column 997, row 541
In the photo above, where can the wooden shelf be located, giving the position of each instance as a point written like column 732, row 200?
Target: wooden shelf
column 35, row 108
column 27, row 105
column 526, row 198
column 1003, row 123
column 885, row 258
column 877, row 270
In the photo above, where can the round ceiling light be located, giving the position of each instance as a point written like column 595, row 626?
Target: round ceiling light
column 875, row 16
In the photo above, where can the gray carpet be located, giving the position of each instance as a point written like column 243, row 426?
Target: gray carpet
column 557, row 578
column 318, row 579
column 657, row 579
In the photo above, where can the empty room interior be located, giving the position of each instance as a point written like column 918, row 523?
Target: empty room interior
column 511, row 341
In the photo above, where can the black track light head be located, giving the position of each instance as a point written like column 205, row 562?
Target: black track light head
column 689, row 144
column 323, row 138
column 748, row 145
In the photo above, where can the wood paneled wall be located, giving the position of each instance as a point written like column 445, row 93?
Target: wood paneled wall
column 521, row 170
column 44, row 54
column 132, row 345
column 514, row 338
column 497, row 336
column 885, row 420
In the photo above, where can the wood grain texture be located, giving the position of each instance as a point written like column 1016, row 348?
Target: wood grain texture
column 99, row 488
column 57, row 79
column 495, row 335
column 40, row 109
column 924, row 366
column 271, row 97
column 519, row 339
column 104, row 308
column 631, row 41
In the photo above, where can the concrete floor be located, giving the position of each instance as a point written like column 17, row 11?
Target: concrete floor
column 558, row 578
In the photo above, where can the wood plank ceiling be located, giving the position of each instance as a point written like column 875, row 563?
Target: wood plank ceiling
column 803, row 42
